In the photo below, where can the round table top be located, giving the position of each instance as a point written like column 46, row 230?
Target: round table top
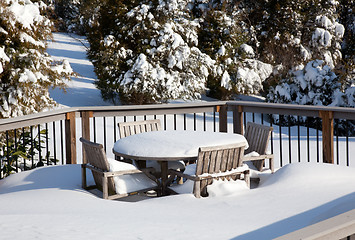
column 172, row 145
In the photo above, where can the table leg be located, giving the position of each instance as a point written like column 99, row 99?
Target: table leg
column 164, row 175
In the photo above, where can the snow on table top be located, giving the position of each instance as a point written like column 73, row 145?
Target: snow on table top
column 172, row 144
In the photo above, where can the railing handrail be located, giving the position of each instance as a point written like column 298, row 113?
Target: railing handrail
column 60, row 114
column 276, row 108
column 338, row 227
column 294, row 109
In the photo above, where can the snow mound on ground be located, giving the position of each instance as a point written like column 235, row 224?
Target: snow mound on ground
column 51, row 177
column 289, row 175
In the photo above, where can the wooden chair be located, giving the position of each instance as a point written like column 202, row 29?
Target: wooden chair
column 104, row 178
column 218, row 162
column 131, row 128
column 258, row 139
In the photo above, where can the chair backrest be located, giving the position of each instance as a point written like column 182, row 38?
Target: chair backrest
column 219, row 158
column 96, row 157
column 258, row 137
column 131, row 128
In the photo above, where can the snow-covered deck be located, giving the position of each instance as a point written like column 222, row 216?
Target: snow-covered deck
column 48, row 203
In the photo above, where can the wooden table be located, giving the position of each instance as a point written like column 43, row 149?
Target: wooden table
column 164, row 146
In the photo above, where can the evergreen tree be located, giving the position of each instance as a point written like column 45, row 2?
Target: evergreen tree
column 220, row 36
column 347, row 70
column 26, row 70
column 314, row 41
column 146, row 52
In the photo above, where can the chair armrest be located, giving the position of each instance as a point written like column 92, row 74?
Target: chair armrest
column 222, row 174
column 112, row 174
column 123, row 172
column 260, row 157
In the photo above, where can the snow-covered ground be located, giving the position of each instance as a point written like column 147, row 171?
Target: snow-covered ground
column 81, row 90
column 48, row 202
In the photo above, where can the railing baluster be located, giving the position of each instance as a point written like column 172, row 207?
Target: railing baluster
column 47, row 145
column 347, row 147
column 245, row 120
column 272, row 134
column 61, row 141
column 54, row 145
column 94, row 119
column 280, row 139
column 39, row 146
column 174, row 121
column 32, row 148
column 298, row 139
column 15, row 139
column 23, row 145
column 114, row 129
column 164, row 121
column 289, row 140
column 337, row 138
column 104, row 133
column 7, row 150
column 308, row 148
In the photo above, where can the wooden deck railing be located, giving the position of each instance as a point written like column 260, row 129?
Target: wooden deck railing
column 225, row 114
column 327, row 114
column 340, row 227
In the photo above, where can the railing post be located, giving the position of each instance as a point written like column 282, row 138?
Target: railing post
column 70, row 138
column 85, row 127
column 238, row 120
column 223, row 123
column 327, row 135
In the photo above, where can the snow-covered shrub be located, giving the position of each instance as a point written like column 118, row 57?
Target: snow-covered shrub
column 251, row 75
column 146, row 51
column 26, row 70
column 304, row 45
column 313, row 84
